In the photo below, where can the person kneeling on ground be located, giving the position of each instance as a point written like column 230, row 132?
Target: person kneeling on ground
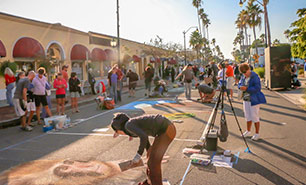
column 143, row 126
column 206, row 93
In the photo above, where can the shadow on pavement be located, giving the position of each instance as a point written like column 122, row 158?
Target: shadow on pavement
column 295, row 155
column 250, row 166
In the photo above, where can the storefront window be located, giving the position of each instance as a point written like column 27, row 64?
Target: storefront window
column 96, row 68
column 25, row 66
column 106, row 67
column 77, row 67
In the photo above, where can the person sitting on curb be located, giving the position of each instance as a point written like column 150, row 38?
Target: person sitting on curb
column 206, row 93
column 157, row 126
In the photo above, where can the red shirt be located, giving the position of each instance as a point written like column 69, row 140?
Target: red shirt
column 9, row 79
column 229, row 71
column 57, row 83
column 65, row 75
column 119, row 74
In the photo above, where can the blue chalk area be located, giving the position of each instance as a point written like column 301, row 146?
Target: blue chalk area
column 141, row 104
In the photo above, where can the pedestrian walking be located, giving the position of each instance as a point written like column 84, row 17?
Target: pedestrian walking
column 65, row 77
column 133, row 78
column 230, row 80
column 31, row 108
column 91, row 81
column 252, row 98
column 39, row 91
column 113, row 83
column 158, row 126
column 119, row 82
column 148, row 75
column 74, row 89
column 10, row 84
column 48, row 96
column 20, row 98
column 172, row 74
column 60, row 85
column 188, row 76
column 237, row 74
column 214, row 73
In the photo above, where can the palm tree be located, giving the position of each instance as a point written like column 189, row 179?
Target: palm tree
column 264, row 3
column 197, row 5
column 287, row 32
column 202, row 17
column 196, row 41
column 205, row 22
column 276, row 42
column 254, row 12
column 241, row 23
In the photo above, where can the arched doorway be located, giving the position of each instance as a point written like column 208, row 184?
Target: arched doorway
column 78, row 55
column 55, row 57
column 98, row 62
column 27, row 52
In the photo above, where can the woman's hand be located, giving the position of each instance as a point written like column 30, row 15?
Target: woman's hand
column 243, row 88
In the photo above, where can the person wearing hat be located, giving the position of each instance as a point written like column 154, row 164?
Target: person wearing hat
column 206, row 93
column 156, row 125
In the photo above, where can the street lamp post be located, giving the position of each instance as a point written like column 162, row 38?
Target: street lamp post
column 118, row 34
column 184, row 33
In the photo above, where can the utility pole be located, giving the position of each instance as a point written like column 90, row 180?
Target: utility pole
column 118, row 34
column 185, row 52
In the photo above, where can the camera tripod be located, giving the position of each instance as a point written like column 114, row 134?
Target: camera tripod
column 212, row 119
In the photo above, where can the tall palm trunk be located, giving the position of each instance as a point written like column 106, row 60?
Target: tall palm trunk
column 207, row 33
column 199, row 20
column 268, row 25
column 246, row 35
column 256, row 49
column 203, row 28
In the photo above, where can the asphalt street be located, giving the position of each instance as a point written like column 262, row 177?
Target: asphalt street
column 279, row 157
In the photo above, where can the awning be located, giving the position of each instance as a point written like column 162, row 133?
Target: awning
column 98, row 54
column 28, row 48
column 79, row 52
column 136, row 58
column 2, row 50
column 110, row 55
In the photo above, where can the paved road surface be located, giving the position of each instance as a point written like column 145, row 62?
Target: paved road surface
column 279, row 157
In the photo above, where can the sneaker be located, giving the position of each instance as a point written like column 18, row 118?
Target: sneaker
column 246, row 134
column 255, row 137
column 26, row 128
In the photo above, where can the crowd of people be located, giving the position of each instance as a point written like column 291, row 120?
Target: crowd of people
column 33, row 94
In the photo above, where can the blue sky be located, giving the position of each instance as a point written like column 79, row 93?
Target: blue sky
column 142, row 20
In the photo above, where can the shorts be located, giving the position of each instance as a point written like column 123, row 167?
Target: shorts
column 74, row 94
column 148, row 85
column 31, row 107
column 251, row 113
column 60, row 96
column 230, row 83
column 20, row 111
column 132, row 85
column 40, row 99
